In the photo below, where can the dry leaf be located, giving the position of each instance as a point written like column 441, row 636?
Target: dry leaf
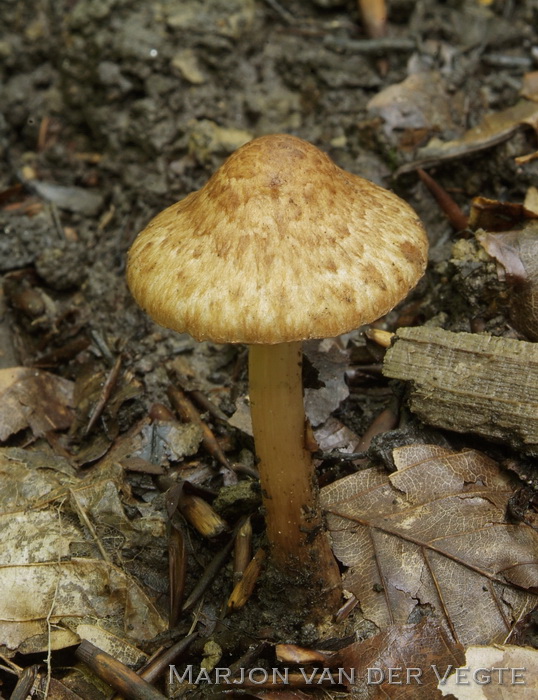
column 421, row 103
column 492, row 215
column 495, row 673
column 492, row 130
column 67, row 593
column 516, row 252
column 54, row 576
column 332, row 389
column 334, row 435
column 117, row 647
column 33, row 398
column 434, row 534
column 402, row 662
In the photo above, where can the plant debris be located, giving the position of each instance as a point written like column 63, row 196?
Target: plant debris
column 431, row 535
column 111, row 111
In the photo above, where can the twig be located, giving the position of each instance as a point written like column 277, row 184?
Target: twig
column 116, row 674
column 25, row 683
column 106, row 391
column 156, row 666
column 208, row 405
column 55, row 216
column 211, row 570
column 346, row 609
column 207, row 577
column 452, row 210
column 102, row 345
column 188, row 413
column 177, row 569
column 497, row 60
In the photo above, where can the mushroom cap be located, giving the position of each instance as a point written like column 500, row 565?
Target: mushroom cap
column 279, row 245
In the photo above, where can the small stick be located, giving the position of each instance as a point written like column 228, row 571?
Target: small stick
column 211, row 570
column 452, row 210
column 374, row 17
column 117, row 675
column 55, row 216
column 244, row 588
column 346, row 609
column 497, row 60
column 177, row 568
column 208, row 405
column 242, row 550
column 249, row 657
column 25, row 683
column 156, row 666
column 189, row 414
column 102, row 345
column 382, row 338
column 108, row 388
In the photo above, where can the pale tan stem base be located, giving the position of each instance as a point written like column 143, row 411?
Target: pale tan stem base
column 298, row 542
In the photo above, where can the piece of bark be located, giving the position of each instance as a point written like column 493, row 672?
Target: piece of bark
column 470, row 383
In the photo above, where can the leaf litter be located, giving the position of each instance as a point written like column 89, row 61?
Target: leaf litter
column 52, row 570
column 433, row 535
column 50, row 495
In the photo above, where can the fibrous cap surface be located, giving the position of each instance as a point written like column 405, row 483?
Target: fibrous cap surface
column 279, row 245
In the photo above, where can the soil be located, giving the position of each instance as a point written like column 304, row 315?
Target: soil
column 112, row 110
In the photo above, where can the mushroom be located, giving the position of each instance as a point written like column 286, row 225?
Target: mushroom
column 279, row 246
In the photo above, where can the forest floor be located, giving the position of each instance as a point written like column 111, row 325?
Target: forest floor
column 112, row 110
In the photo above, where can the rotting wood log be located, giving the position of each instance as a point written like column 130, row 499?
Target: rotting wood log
column 464, row 382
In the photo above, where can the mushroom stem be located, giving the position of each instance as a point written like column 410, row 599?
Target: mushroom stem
column 290, row 493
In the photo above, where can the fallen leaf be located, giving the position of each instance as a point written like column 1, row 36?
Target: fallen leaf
column 419, row 103
column 52, row 688
column 54, row 573
column 331, row 389
column 70, row 198
column 403, row 662
column 516, row 253
column 495, row 673
column 64, row 593
column 35, row 399
column 334, row 435
column 492, row 215
column 434, row 534
column 492, row 130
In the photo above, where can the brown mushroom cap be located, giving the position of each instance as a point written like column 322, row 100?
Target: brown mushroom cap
column 279, row 245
